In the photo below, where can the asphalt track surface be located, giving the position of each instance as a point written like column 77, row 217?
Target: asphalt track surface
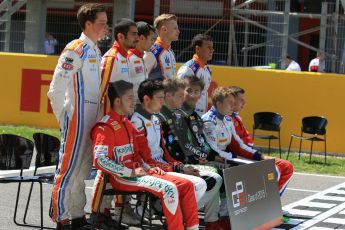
column 305, row 198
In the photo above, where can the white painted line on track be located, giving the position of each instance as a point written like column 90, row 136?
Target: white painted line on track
column 31, row 169
column 342, row 212
column 320, row 228
column 302, row 190
column 335, row 221
column 304, row 212
column 319, row 218
column 335, row 198
column 314, row 196
column 317, row 204
column 319, row 175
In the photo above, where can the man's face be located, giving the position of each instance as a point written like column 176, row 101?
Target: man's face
column 176, row 99
column 226, row 107
column 155, row 103
column 240, row 101
column 205, row 51
column 132, row 38
column 172, row 30
column 99, row 27
column 127, row 102
column 192, row 95
column 148, row 41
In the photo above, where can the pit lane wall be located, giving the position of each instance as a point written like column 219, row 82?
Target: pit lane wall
column 25, row 81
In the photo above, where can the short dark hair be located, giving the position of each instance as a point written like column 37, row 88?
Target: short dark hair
column 122, row 27
column 199, row 39
column 149, row 88
column 117, row 89
column 236, row 90
column 144, row 28
column 172, row 85
column 192, row 80
column 88, row 12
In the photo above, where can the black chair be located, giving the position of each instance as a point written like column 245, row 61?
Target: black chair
column 268, row 121
column 16, row 154
column 47, row 154
column 113, row 192
column 315, row 126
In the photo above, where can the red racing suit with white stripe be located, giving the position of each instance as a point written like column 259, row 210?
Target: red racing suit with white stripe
column 115, row 152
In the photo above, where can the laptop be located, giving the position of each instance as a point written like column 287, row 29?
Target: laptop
column 252, row 196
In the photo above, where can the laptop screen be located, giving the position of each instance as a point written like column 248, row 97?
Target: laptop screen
column 252, row 196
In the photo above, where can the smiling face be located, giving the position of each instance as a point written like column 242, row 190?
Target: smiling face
column 192, row 95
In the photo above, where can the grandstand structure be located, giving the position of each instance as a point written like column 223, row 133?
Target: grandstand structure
column 246, row 32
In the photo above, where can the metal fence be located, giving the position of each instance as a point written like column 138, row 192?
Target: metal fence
column 245, row 32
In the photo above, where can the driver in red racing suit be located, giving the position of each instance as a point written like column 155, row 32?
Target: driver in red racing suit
column 115, row 152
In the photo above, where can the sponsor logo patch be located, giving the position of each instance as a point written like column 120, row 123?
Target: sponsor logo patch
column 67, row 66
column 270, row 176
column 124, row 70
column 101, row 150
column 139, row 69
column 222, row 140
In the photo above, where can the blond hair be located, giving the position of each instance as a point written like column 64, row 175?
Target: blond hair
column 220, row 94
column 162, row 19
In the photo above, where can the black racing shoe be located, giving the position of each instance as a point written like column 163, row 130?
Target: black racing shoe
column 80, row 224
column 61, row 226
column 103, row 221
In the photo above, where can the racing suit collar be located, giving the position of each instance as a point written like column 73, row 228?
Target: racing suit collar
column 137, row 52
column 187, row 108
column 234, row 114
column 162, row 43
column 198, row 60
column 120, row 49
column 87, row 40
column 166, row 110
column 218, row 114
column 115, row 115
column 139, row 109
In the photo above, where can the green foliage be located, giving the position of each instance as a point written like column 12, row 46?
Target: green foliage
column 334, row 165
column 27, row 132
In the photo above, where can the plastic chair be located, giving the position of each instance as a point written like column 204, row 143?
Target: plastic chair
column 268, row 121
column 47, row 154
column 16, row 154
column 315, row 126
